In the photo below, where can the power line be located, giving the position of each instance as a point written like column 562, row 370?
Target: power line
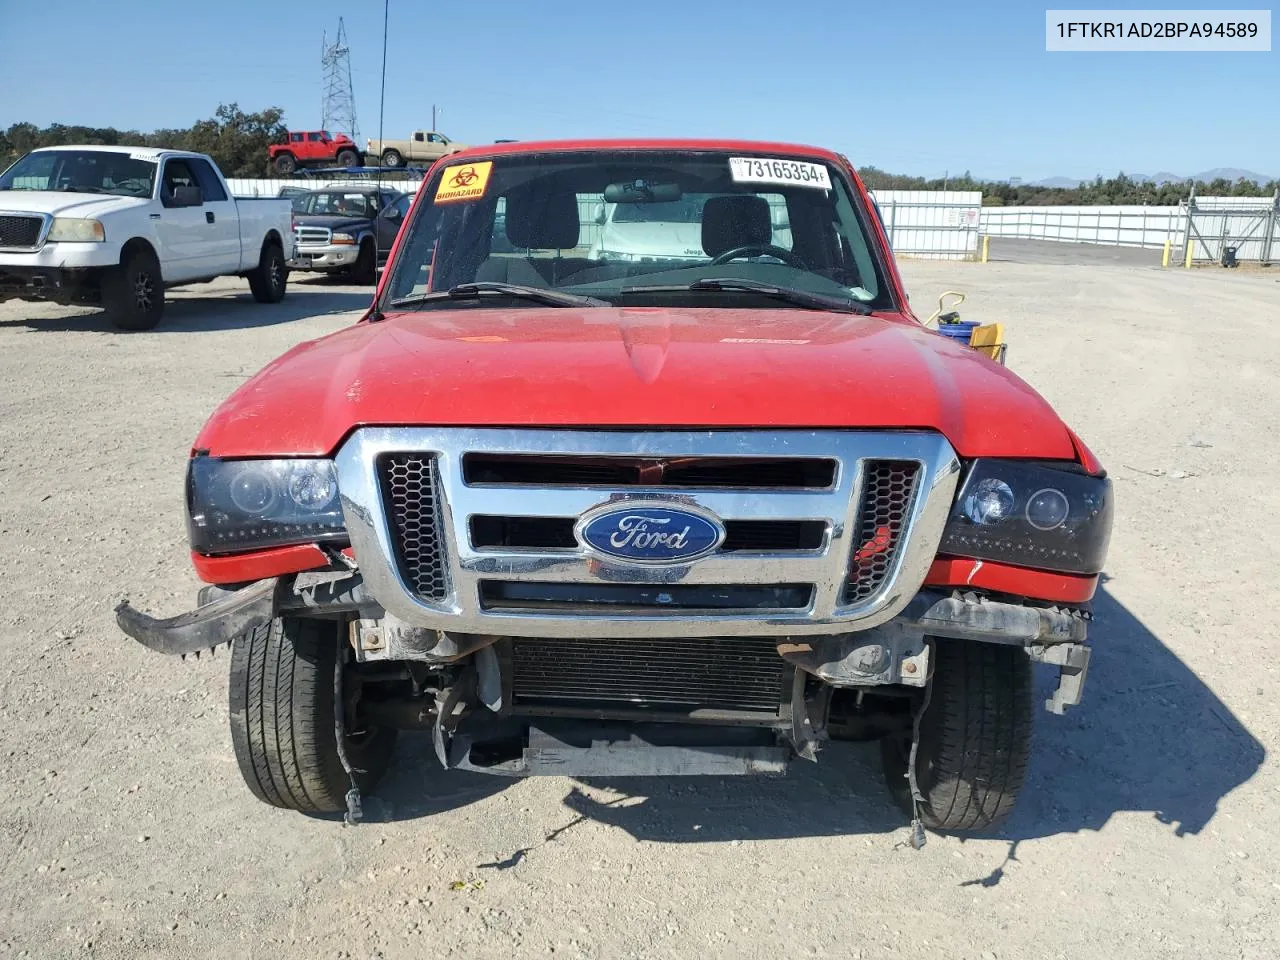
column 338, row 109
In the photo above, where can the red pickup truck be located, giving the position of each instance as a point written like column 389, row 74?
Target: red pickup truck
column 312, row 148
column 696, row 510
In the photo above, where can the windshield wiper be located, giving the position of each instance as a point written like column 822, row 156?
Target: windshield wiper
column 474, row 291
column 801, row 298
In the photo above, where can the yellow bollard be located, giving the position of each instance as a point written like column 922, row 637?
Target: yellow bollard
column 986, row 245
column 1191, row 247
column 1168, row 249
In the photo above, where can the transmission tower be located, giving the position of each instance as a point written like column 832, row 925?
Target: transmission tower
column 338, row 112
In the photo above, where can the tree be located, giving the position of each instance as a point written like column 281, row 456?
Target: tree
column 236, row 140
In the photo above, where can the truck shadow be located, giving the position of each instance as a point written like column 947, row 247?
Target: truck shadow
column 1150, row 737
column 189, row 312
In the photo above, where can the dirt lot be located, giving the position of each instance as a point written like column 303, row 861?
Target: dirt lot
column 1147, row 830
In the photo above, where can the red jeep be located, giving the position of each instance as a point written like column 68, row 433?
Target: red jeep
column 313, row 148
column 693, row 509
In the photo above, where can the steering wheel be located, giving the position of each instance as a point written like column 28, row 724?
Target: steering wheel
column 760, row 249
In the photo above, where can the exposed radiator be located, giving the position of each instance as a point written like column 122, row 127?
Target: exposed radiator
column 717, row 673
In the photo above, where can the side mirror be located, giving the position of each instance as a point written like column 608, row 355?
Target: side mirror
column 185, row 197
column 391, row 213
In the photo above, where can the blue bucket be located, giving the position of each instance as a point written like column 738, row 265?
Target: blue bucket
column 959, row 332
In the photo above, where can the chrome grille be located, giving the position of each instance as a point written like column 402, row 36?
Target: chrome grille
column 20, row 232
column 888, row 488
column 313, row 236
column 728, row 673
column 495, row 553
column 409, row 486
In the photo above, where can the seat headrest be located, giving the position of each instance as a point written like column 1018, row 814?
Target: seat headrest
column 543, row 220
column 730, row 222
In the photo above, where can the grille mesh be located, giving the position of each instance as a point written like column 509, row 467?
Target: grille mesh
column 19, row 231
column 887, row 492
column 726, row 673
column 409, row 488
column 313, row 236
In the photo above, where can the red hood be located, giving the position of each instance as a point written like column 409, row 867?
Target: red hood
column 635, row 368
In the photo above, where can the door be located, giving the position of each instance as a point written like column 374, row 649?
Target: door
column 389, row 222
column 222, row 222
column 181, row 230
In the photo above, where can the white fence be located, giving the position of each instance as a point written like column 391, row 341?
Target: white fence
column 1135, row 226
column 931, row 224
column 1250, row 225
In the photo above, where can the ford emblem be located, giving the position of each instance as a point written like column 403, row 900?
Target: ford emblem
column 639, row 533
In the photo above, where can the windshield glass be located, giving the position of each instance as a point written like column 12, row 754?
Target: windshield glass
column 336, row 203
column 613, row 224
column 82, row 171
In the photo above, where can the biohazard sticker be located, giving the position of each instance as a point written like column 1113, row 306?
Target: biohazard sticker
column 464, row 181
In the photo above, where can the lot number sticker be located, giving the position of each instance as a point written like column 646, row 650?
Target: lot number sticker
column 797, row 173
column 464, row 181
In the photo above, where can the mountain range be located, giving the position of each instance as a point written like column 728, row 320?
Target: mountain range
column 1231, row 174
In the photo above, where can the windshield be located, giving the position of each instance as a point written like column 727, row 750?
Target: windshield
column 82, row 171
column 337, row 203
column 614, row 225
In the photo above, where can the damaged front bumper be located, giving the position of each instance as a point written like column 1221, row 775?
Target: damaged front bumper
column 895, row 652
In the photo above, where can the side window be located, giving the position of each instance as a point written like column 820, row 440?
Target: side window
column 403, row 205
column 208, row 180
column 436, row 138
column 295, row 137
column 417, row 137
column 177, row 173
column 315, row 137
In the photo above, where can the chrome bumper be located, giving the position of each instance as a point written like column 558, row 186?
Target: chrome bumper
column 324, row 257
column 466, row 567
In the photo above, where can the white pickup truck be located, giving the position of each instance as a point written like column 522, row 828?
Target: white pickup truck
column 116, row 226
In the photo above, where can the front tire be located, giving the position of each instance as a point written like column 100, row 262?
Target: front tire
column 270, row 279
column 133, row 293
column 365, row 269
column 348, row 158
column 282, row 719
column 975, row 738
column 392, row 158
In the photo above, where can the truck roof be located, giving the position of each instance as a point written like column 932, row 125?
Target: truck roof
column 745, row 146
column 141, row 153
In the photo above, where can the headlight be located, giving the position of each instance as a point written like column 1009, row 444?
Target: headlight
column 74, row 230
column 1047, row 516
column 236, row 505
column 343, row 238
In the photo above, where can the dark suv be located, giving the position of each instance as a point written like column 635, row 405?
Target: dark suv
column 347, row 230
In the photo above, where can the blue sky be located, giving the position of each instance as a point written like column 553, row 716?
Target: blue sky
column 913, row 88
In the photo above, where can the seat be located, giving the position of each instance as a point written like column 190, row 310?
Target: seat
column 989, row 339
column 536, row 219
column 735, row 221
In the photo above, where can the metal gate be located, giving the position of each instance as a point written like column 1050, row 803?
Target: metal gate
column 1246, row 229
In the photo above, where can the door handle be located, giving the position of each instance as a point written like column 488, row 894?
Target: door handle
column 208, row 216
column 155, row 216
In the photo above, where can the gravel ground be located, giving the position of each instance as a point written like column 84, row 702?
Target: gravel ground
column 1146, row 829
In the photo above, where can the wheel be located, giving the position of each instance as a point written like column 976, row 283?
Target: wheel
column 285, row 164
column 269, row 279
column 975, row 737
column 365, row 269
column 392, row 158
column 282, row 719
column 133, row 293
column 348, row 158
